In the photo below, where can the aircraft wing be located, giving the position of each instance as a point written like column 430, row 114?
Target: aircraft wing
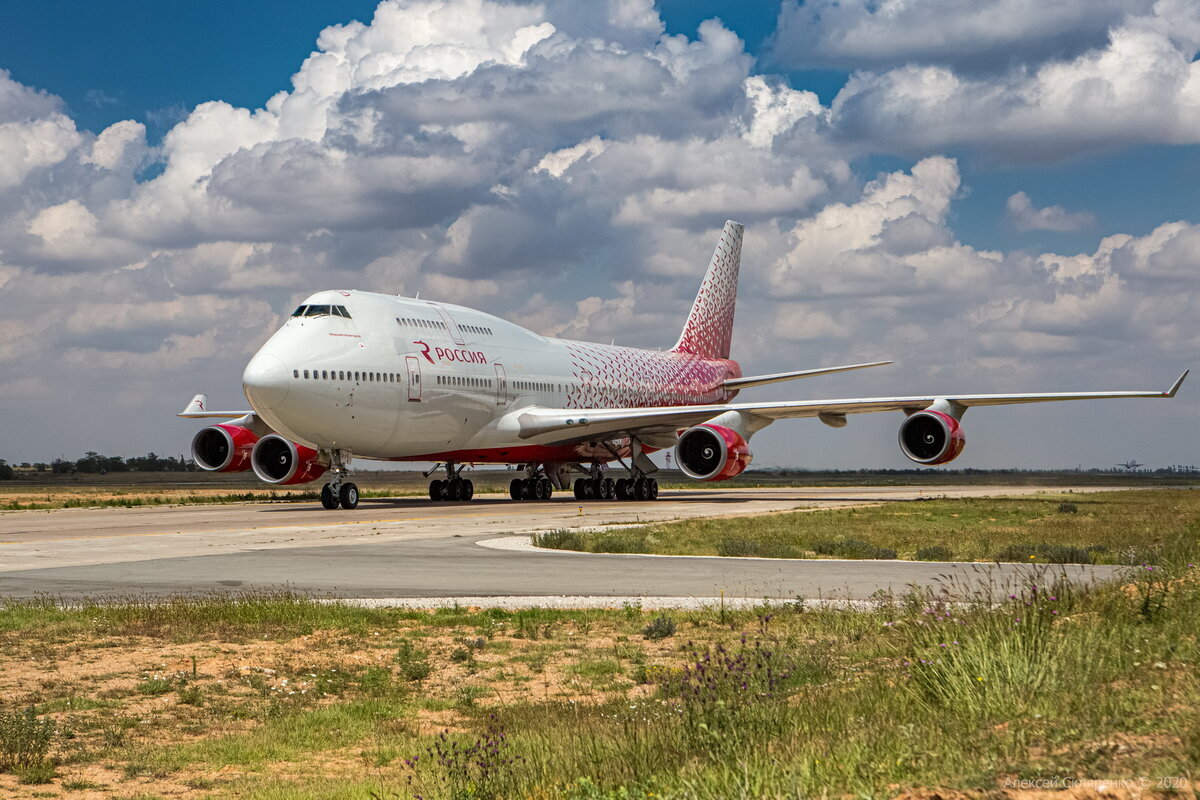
column 560, row 425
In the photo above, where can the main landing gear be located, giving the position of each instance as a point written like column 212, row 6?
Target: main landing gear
column 535, row 487
column 600, row 488
column 339, row 492
column 453, row 488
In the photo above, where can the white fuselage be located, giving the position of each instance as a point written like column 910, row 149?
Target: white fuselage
column 401, row 378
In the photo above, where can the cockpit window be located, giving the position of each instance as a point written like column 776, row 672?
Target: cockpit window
column 317, row 311
column 341, row 311
column 299, row 312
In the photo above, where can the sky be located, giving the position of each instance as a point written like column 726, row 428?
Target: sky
column 999, row 196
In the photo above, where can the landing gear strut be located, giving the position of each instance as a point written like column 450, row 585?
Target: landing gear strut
column 338, row 491
column 535, row 486
column 454, row 487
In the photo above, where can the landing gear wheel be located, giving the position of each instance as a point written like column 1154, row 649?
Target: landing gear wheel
column 328, row 499
column 348, row 495
column 514, row 489
column 537, row 489
column 468, row 489
column 623, row 489
column 454, row 490
column 581, row 489
column 610, row 489
column 547, row 488
column 640, row 490
column 435, row 490
column 652, row 489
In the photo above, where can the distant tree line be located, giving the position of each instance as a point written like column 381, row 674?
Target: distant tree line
column 93, row 462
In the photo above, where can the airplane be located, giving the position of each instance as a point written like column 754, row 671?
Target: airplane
column 1130, row 465
column 376, row 376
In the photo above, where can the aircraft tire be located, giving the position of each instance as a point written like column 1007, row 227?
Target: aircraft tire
column 454, row 490
column 639, row 489
column 514, row 488
column 468, row 489
column 547, row 489
column 579, row 490
column 610, row 489
column 435, row 490
column 329, row 500
column 652, row 489
column 349, row 495
column 623, row 489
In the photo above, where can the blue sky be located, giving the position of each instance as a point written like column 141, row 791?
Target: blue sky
column 908, row 172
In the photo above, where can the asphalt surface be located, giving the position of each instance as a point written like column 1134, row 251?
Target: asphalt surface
column 412, row 549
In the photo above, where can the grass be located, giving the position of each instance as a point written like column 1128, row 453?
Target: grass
column 1126, row 527
column 283, row 696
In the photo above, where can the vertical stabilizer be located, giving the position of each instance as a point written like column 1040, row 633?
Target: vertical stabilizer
column 709, row 326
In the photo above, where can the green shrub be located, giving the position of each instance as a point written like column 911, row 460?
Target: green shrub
column 191, row 696
column 24, row 740
column 660, row 627
column 412, row 661
column 1067, row 508
column 41, row 772
column 1045, row 553
column 561, row 539
column 935, row 552
column 852, row 548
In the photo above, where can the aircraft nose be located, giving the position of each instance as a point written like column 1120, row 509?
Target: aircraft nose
column 266, row 381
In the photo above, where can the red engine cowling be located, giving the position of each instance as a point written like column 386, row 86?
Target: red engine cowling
column 712, row 453
column 280, row 461
column 931, row 437
column 223, row 448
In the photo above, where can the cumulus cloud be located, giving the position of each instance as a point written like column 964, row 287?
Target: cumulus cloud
column 857, row 34
column 1025, row 217
column 1141, row 86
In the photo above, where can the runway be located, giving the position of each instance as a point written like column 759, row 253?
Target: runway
column 413, row 548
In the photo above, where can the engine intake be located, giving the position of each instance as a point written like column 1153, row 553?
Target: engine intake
column 931, row 437
column 283, row 462
column 712, row 453
column 223, row 448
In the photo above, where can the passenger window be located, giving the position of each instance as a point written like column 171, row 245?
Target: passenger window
column 324, row 375
column 306, row 373
column 295, row 372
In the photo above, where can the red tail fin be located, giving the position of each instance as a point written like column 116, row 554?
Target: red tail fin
column 709, row 326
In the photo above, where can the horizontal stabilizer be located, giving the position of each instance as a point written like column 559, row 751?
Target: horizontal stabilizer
column 759, row 380
column 198, row 409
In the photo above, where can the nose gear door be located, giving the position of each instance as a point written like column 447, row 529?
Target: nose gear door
column 414, row 378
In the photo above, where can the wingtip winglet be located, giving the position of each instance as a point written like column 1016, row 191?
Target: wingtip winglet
column 1178, row 383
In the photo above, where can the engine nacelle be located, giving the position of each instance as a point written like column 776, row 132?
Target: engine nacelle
column 712, row 453
column 223, row 448
column 280, row 461
column 931, row 437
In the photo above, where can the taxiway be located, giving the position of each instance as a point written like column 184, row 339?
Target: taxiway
column 407, row 549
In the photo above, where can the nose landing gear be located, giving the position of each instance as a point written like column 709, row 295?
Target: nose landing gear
column 454, row 488
column 339, row 492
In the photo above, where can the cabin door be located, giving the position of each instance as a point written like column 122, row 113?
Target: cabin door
column 414, row 378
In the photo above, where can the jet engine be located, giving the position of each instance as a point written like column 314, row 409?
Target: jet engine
column 931, row 437
column 277, row 460
column 712, row 453
column 223, row 448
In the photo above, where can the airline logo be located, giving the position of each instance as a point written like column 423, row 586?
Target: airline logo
column 435, row 354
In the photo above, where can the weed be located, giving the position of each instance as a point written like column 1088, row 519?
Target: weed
column 24, row 740
column 935, row 552
column 852, row 548
column 1067, row 508
column 41, row 772
column 660, row 627
column 191, row 696
column 479, row 768
column 154, row 686
column 1044, row 553
column 412, row 661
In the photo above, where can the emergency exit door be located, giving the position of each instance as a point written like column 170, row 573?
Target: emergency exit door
column 414, row 378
